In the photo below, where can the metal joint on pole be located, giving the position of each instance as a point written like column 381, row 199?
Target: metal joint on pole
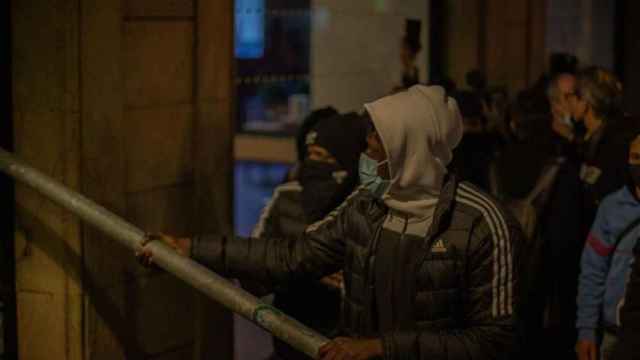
column 213, row 285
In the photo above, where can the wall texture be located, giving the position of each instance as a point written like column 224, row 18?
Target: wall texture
column 130, row 103
column 584, row 28
column 355, row 49
column 505, row 39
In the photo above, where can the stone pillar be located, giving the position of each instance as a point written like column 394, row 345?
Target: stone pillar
column 46, row 116
column 130, row 103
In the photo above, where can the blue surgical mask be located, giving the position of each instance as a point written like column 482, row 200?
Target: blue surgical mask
column 368, row 170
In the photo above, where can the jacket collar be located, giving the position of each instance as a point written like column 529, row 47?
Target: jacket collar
column 442, row 214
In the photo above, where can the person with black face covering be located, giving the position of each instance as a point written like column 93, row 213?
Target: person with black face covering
column 326, row 175
column 301, row 137
column 606, row 264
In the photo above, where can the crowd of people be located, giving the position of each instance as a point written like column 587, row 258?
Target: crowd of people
column 561, row 157
column 456, row 224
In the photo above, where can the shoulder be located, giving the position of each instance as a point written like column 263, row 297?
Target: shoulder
column 479, row 208
column 612, row 201
column 358, row 203
column 289, row 192
column 291, row 186
column 285, row 201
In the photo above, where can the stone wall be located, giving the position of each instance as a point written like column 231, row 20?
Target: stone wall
column 128, row 102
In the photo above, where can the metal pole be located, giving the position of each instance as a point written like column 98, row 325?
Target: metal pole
column 216, row 287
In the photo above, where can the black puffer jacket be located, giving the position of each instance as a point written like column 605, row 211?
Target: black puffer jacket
column 284, row 217
column 283, row 214
column 450, row 295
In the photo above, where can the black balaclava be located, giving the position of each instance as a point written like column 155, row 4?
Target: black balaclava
column 309, row 123
column 325, row 185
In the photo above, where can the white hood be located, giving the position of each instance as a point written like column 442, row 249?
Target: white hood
column 419, row 128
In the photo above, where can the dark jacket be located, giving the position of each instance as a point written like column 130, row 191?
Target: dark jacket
column 592, row 170
column 627, row 348
column 607, row 155
column 283, row 217
column 453, row 297
column 473, row 156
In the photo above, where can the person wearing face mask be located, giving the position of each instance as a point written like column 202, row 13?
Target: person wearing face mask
column 594, row 167
column 602, row 150
column 606, row 264
column 566, row 130
column 326, row 175
column 431, row 265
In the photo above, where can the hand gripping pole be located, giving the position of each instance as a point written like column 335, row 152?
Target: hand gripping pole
column 213, row 285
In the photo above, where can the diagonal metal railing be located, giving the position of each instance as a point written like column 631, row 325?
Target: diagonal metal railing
column 213, row 285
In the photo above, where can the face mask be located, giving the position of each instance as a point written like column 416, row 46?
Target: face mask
column 634, row 172
column 369, row 176
column 324, row 187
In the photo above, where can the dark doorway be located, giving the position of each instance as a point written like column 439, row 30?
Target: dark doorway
column 8, row 328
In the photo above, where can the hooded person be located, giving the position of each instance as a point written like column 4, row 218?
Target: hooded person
column 326, row 175
column 429, row 265
column 330, row 172
column 301, row 147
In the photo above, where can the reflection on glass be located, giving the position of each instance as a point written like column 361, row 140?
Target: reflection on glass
column 254, row 184
column 272, row 61
column 275, row 107
column 249, row 29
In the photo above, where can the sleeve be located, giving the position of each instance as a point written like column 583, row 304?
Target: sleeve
column 594, row 267
column 488, row 302
column 266, row 226
column 630, row 317
column 277, row 261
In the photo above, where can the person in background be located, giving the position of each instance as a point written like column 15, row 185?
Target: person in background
column 527, row 140
column 627, row 347
column 525, row 190
column 595, row 166
column 606, row 264
column 597, row 103
column 327, row 174
column 561, row 66
column 431, row 265
column 567, row 130
column 301, row 137
column 473, row 156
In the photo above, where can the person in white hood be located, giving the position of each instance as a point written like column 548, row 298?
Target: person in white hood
column 429, row 263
